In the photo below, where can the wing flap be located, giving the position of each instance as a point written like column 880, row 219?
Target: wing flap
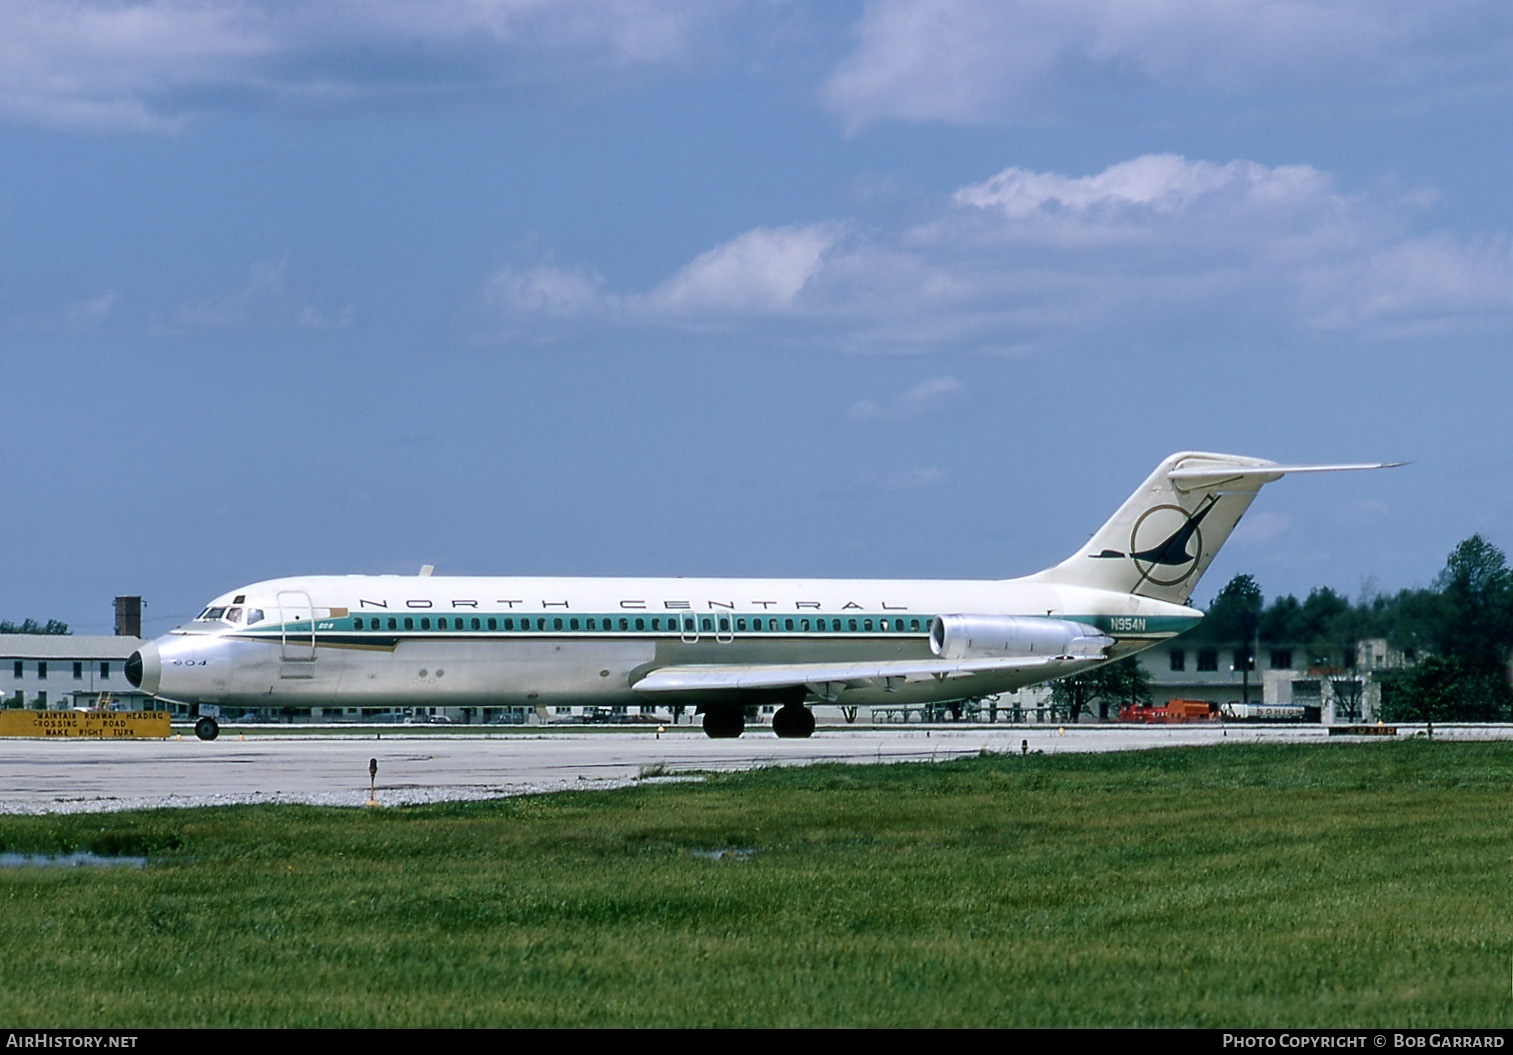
column 695, row 678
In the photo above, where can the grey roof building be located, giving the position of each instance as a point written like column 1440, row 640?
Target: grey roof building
column 54, row 671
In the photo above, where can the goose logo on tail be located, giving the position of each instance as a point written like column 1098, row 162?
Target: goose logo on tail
column 1168, row 538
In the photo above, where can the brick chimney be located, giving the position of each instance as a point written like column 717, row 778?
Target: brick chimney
column 128, row 617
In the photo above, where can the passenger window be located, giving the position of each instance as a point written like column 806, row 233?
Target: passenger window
column 475, row 623
column 392, row 624
column 357, row 623
column 409, row 623
column 493, row 625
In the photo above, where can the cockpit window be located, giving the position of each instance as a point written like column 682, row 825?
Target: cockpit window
column 210, row 615
column 233, row 615
column 254, row 615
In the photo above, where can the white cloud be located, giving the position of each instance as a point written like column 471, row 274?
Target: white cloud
column 223, row 311
column 1415, row 287
column 145, row 65
column 1154, row 183
column 90, row 313
column 1360, row 515
column 968, row 61
column 761, row 271
column 923, row 398
column 1257, row 528
column 546, row 290
column 1031, row 260
column 905, row 479
column 312, row 318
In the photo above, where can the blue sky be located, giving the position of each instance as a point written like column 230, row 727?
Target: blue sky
column 909, row 289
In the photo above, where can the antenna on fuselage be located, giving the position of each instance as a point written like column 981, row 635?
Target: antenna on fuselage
column 426, row 570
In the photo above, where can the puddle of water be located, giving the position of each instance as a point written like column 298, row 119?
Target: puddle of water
column 743, row 853
column 74, row 860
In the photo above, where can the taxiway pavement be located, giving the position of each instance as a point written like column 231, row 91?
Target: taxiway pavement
column 41, row 776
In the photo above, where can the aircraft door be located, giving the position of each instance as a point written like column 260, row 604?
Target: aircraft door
column 716, row 625
column 724, row 627
column 297, row 645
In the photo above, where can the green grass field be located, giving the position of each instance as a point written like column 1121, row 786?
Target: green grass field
column 1329, row 885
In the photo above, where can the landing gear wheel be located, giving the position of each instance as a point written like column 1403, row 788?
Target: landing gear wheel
column 793, row 721
column 207, row 729
column 724, row 723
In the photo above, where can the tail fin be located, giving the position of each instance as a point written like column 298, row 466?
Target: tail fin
column 1168, row 532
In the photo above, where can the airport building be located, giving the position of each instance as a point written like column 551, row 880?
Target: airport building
column 60, row 671
column 1264, row 682
column 1342, row 686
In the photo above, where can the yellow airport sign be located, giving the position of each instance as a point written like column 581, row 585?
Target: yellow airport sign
column 95, row 725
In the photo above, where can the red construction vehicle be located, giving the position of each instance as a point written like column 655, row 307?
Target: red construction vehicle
column 1171, row 711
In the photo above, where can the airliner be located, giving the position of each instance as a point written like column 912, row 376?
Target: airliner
column 720, row 646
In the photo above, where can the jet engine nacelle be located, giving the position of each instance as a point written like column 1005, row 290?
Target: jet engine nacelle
column 992, row 636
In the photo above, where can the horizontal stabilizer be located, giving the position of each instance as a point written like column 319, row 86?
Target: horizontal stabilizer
column 1222, row 478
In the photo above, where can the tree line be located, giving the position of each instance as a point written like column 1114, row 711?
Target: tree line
column 1454, row 639
column 31, row 626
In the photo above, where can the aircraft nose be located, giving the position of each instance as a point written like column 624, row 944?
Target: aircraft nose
column 145, row 668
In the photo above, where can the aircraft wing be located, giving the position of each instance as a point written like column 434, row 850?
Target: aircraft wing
column 827, row 679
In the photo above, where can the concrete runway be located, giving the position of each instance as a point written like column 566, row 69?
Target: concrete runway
column 42, row 776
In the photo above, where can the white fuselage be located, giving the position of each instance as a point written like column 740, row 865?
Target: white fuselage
column 462, row 641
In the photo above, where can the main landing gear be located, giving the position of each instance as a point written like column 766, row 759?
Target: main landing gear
column 724, row 723
column 207, row 728
column 792, row 721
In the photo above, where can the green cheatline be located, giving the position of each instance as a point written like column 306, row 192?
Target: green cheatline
column 1310, row 885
